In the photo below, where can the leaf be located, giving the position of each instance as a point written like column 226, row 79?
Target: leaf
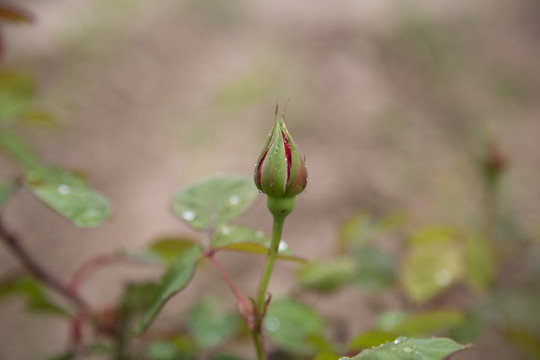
column 68, row 194
column 371, row 338
column 291, row 324
column 327, row 276
column 480, row 263
column 471, row 328
column 39, row 117
column 17, row 150
column 136, row 298
column 161, row 350
column 427, row 323
column 209, row 325
column 257, row 249
column 326, row 355
column 174, row 280
column 16, row 94
column 232, row 234
column 376, row 269
column 411, row 349
column 360, row 229
column 169, row 248
column 525, row 340
column 243, row 239
column 214, row 201
column 356, row 231
column 7, row 187
column 389, row 320
column 433, row 262
column 225, row 357
column 36, row 299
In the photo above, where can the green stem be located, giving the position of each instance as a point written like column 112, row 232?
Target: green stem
column 259, row 347
column 270, row 261
column 280, row 208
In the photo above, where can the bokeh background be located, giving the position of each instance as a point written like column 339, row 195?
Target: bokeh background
column 393, row 103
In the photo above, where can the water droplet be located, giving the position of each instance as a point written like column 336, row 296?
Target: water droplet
column 443, row 277
column 64, row 189
column 272, row 323
column 225, row 230
column 283, row 245
column 272, row 184
column 234, row 200
column 407, row 349
column 259, row 234
column 188, row 215
column 397, row 341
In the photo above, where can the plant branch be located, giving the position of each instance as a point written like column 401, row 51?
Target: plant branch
column 269, row 265
column 89, row 267
column 14, row 245
column 227, row 278
column 261, row 303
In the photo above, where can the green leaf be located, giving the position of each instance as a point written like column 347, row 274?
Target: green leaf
column 7, row 187
column 376, row 269
column 389, row 320
column 371, row 338
column 16, row 94
column 169, row 248
column 232, row 234
column 424, row 324
column 36, row 299
column 209, row 325
column 243, row 239
column 326, row 355
column 327, row 276
column 480, row 263
column 68, row 194
column 291, row 325
column 214, row 201
column 39, row 117
column 257, row 249
column 412, row 349
column 18, row 150
column 225, row 357
column 172, row 282
column 434, row 261
column 361, row 229
column 471, row 328
column 525, row 340
column 356, row 231
column 161, row 350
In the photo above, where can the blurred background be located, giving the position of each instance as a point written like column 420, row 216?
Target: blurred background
column 397, row 105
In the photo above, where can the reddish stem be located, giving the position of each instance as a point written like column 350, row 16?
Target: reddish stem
column 89, row 267
column 244, row 306
column 48, row 279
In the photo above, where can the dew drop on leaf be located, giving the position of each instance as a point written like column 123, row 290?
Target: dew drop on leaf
column 225, row 230
column 234, row 200
column 64, row 189
column 188, row 215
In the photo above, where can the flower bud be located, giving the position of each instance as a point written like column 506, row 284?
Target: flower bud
column 281, row 171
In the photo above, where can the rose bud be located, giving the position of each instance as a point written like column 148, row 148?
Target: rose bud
column 281, row 170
